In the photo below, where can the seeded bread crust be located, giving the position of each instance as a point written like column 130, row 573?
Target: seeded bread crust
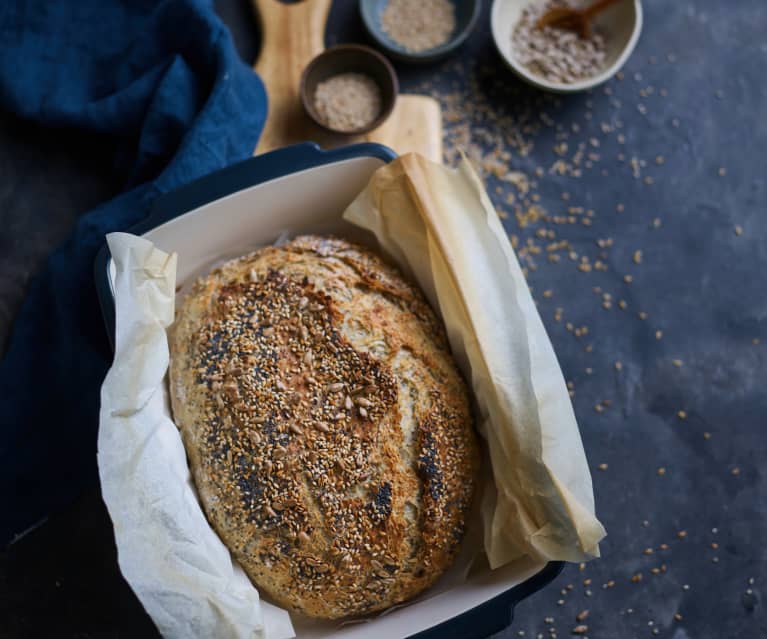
column 327, row 428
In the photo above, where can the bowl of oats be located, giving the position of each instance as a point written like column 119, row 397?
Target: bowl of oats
column 419, row 31
column 561, row 60
column 349, row 89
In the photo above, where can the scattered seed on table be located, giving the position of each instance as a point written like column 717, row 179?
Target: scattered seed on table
column 602, row 466
column 738, row 230
column 659, row 334
column 637, row 257
column 677, row 362
column 681, row 414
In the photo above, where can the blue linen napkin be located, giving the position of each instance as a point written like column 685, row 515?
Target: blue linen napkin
column 163, row 80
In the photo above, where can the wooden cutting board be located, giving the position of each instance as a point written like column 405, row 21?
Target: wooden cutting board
column 293, row 34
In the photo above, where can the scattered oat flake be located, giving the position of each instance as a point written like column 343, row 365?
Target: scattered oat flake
column 658, row 334
column 682, row 534
column 602, row 466
column 735, row 471
column 637, row 257
column 706, row 435
column 677, row 362
column 618, row 366
column 661, row 471
column 738, row 230
column 582, row 615
column 635, row 579
column 681, row 414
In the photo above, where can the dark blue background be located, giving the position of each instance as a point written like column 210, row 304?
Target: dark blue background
column 701, row 284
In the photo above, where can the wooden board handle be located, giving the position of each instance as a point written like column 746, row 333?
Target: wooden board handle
column 291, row 35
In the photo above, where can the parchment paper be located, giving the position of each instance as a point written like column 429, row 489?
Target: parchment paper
column 439, row 226
column 178, row 567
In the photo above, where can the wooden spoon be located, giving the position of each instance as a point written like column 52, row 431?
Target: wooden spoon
column 578, row 20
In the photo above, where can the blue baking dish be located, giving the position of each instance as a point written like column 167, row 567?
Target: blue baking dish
column 304, row 189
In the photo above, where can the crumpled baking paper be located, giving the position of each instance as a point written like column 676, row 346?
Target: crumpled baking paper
column 178, row 567
column 439, row 226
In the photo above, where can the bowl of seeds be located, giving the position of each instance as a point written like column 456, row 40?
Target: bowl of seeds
column 349, row 89
column 558, row 59
column 419, row 30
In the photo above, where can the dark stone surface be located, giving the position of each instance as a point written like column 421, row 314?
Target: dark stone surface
column 701, row 284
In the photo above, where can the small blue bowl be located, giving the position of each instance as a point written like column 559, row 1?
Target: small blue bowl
column 466, row 16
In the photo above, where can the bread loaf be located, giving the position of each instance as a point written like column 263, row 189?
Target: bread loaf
column 327, row 428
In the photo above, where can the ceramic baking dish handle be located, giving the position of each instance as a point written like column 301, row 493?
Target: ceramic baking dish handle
column 493, row 615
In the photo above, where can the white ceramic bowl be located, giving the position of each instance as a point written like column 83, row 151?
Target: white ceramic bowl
column 621, row 24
